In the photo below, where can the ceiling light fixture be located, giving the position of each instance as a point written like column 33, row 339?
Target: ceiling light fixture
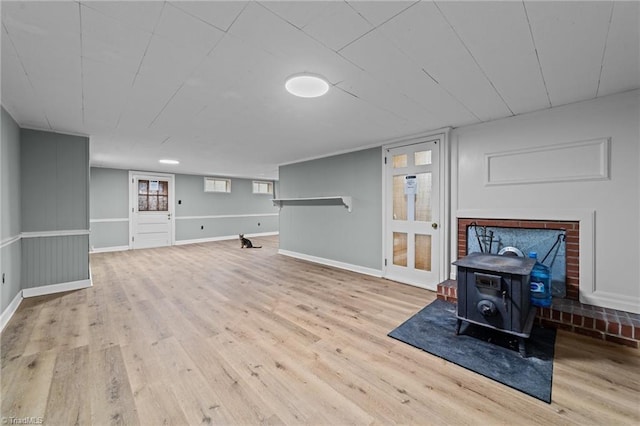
column 306, row 85
column 169, row 161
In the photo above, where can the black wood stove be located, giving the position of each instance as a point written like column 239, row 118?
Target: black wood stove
column 493, row 291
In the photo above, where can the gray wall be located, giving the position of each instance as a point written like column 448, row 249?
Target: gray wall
column 330, row 231
column 55, row 197
column 109, row 208
column 244, row 211
column 10, row 226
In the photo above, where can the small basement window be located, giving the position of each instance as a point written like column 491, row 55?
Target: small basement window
column 260, row 187
column 217, row 185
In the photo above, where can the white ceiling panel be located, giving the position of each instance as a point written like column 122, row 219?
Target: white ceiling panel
column 424, row 35
column 41, row 18
column 139, row 14
column 377, row 12
column 111, row 42
column 299, row 13
column 18, row 96
column 187, row 31
column 338, row 27
column 570, row 33
column 203, row 81
column 621, row 67
column 170, row 63
column 146, row 99
column 376, row 55
column 220, row 14
column 497, row 35
column 105, row 92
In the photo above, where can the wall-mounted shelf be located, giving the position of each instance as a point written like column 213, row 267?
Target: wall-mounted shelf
column 345, row 200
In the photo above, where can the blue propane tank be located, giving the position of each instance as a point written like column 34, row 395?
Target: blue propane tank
column 540, row 283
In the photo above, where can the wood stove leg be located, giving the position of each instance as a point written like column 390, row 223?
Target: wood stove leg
column 521, row 347
column 458, row 324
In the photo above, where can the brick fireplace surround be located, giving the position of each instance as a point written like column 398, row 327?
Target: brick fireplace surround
column 568, row 313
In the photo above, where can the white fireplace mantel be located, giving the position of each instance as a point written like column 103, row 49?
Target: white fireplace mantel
column 589, row 292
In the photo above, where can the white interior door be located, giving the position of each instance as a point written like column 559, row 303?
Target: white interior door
column 412, row 234
column 152, row 218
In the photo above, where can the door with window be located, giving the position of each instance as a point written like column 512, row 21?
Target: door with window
column 411, row 214
column 152, row 221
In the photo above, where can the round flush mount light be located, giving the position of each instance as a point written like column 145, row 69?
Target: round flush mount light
column 169, row 161
column 307, row 85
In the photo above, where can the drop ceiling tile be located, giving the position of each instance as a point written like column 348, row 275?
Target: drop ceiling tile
column 423, row 34
column 299, row 14
column 497, row 35
column 339, row 27
column 377, row 12
column 220, row 14
column 138, row 14
column 385, row 62
column 621, row 67
column 112, row 42
column 106, row 90
column 41, row 18
column 377, row 93
column 18, row 96
column 146, row 99
column 168, row 62
column 570, row 38
column 187, row 31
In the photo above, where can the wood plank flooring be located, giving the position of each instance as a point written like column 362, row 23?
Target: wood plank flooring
column 211, row 333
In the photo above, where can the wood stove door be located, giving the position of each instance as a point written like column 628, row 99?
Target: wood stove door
column 411, row 211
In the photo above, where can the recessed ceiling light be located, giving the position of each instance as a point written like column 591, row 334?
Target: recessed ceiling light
column 169, row 161
column 307, row 85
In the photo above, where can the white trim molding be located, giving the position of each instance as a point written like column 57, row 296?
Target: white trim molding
column 334, row 263
column 553, row 163
column 58, row 233
column 56, row 288
column 10, row 240
column 115, row 219
column 225, row 216
column 108, row 249
column 10, row 310
column 223, row 238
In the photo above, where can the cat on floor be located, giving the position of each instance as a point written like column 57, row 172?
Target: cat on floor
column 245, row 242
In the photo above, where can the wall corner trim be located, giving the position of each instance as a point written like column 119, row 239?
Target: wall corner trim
column 7, row 314
column 56, row 288
column 334, row 263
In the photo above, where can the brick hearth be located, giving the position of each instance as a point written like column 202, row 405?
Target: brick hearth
column 566, row 314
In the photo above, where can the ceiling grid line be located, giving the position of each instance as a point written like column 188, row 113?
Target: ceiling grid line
column 26, row 73
column 144, row 54
column 535, row 48
column 604, row 49
column 473, row 58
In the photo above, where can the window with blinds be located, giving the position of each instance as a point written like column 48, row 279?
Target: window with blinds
column 217, row 185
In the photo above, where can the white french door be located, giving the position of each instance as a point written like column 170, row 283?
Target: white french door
column 151, row 221
column 412, row 234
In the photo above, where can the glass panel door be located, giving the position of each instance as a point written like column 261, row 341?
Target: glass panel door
column 411, row 214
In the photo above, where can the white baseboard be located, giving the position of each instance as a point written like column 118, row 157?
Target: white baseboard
column 7, row 314
column 56, row 288
column 223, row 238
column 109, row 249
column 328, row 262
column 611, row 301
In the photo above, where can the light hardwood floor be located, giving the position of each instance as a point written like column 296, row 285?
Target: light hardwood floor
column 211, row 333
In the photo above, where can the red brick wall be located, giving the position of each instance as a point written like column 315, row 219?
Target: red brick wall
column 572, row 242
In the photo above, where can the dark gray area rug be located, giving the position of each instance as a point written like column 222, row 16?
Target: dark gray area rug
column 489, row 352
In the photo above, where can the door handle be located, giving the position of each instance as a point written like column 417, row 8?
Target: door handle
column 434, row 225
column 169, row 216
